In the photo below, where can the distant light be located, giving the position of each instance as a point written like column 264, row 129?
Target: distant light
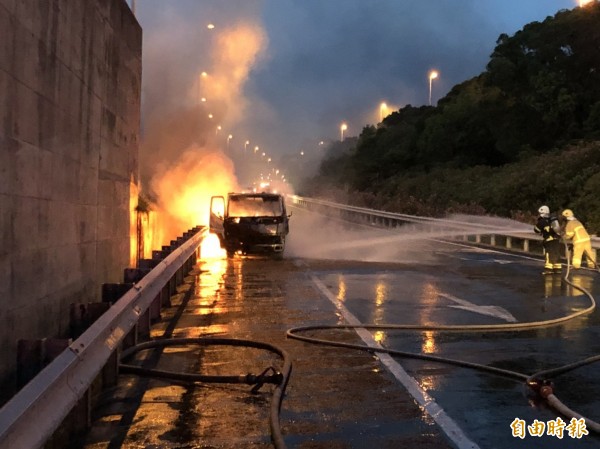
column 343, row 127
column 382, row 111
column 210, row 116
column 210, row 26
column 203, row 99
column 432, row 75
column 204, row 74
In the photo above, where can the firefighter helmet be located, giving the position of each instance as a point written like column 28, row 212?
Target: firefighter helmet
column 567, row 213
column 543, row 210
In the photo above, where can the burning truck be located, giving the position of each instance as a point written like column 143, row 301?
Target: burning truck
column 250, row 223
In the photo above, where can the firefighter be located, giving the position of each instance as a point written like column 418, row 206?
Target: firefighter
column 548, row 226
column 582, row 243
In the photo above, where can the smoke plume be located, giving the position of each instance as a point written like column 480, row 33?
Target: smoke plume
column 193, row 95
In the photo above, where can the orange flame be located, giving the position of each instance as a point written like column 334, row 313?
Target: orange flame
column 185, row 189
column 211, row 248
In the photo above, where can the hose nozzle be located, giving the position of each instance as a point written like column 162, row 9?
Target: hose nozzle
column 542, row 387
column 275, row 377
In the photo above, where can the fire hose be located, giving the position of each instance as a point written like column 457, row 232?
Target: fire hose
column 538, row 382
column 269, row 376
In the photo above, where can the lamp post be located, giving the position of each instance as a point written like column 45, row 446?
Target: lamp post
column 432, row 75
column 229, row 137
column 382, row 111
column 343, row 127
column 246, row 143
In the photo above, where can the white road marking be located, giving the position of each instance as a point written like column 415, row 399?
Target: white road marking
column 447, row 424
column 495, row 311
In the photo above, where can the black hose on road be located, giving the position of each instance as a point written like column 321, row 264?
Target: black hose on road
column 269, row 375
column 538, row 381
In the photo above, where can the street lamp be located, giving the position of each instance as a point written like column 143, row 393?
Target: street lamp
column 246, row 143
column 256, row 149
column 229, row 137
column 382, row 111
column 343, row 127
column 218, row 129
column 432, row 75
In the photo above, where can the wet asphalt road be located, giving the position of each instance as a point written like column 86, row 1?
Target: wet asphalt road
column 340, row 398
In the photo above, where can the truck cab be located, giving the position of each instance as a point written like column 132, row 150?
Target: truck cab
column 250, row 223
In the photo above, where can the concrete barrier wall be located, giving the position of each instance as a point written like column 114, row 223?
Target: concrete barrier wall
column 70, row 88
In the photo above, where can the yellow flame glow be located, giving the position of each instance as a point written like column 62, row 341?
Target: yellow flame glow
column 184, row 190
column 211, row 248
column 184, row 176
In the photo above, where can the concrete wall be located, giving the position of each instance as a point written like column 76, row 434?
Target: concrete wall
column 70, row 82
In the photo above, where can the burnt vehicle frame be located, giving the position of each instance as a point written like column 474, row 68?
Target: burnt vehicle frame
column 250, row 223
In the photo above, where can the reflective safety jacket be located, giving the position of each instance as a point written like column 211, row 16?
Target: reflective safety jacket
column 574, row 230
column 548, row 227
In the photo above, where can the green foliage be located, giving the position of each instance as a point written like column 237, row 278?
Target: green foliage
column 521, row 134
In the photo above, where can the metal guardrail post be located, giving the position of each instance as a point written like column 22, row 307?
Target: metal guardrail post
column 29, row 419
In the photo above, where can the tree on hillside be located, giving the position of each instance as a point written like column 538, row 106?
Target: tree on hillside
column 540, row 92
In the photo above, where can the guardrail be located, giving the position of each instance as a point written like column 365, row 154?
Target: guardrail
column 30, row 418
column 477, row 233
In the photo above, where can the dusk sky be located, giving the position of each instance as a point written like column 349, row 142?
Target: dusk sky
column 284, row 74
